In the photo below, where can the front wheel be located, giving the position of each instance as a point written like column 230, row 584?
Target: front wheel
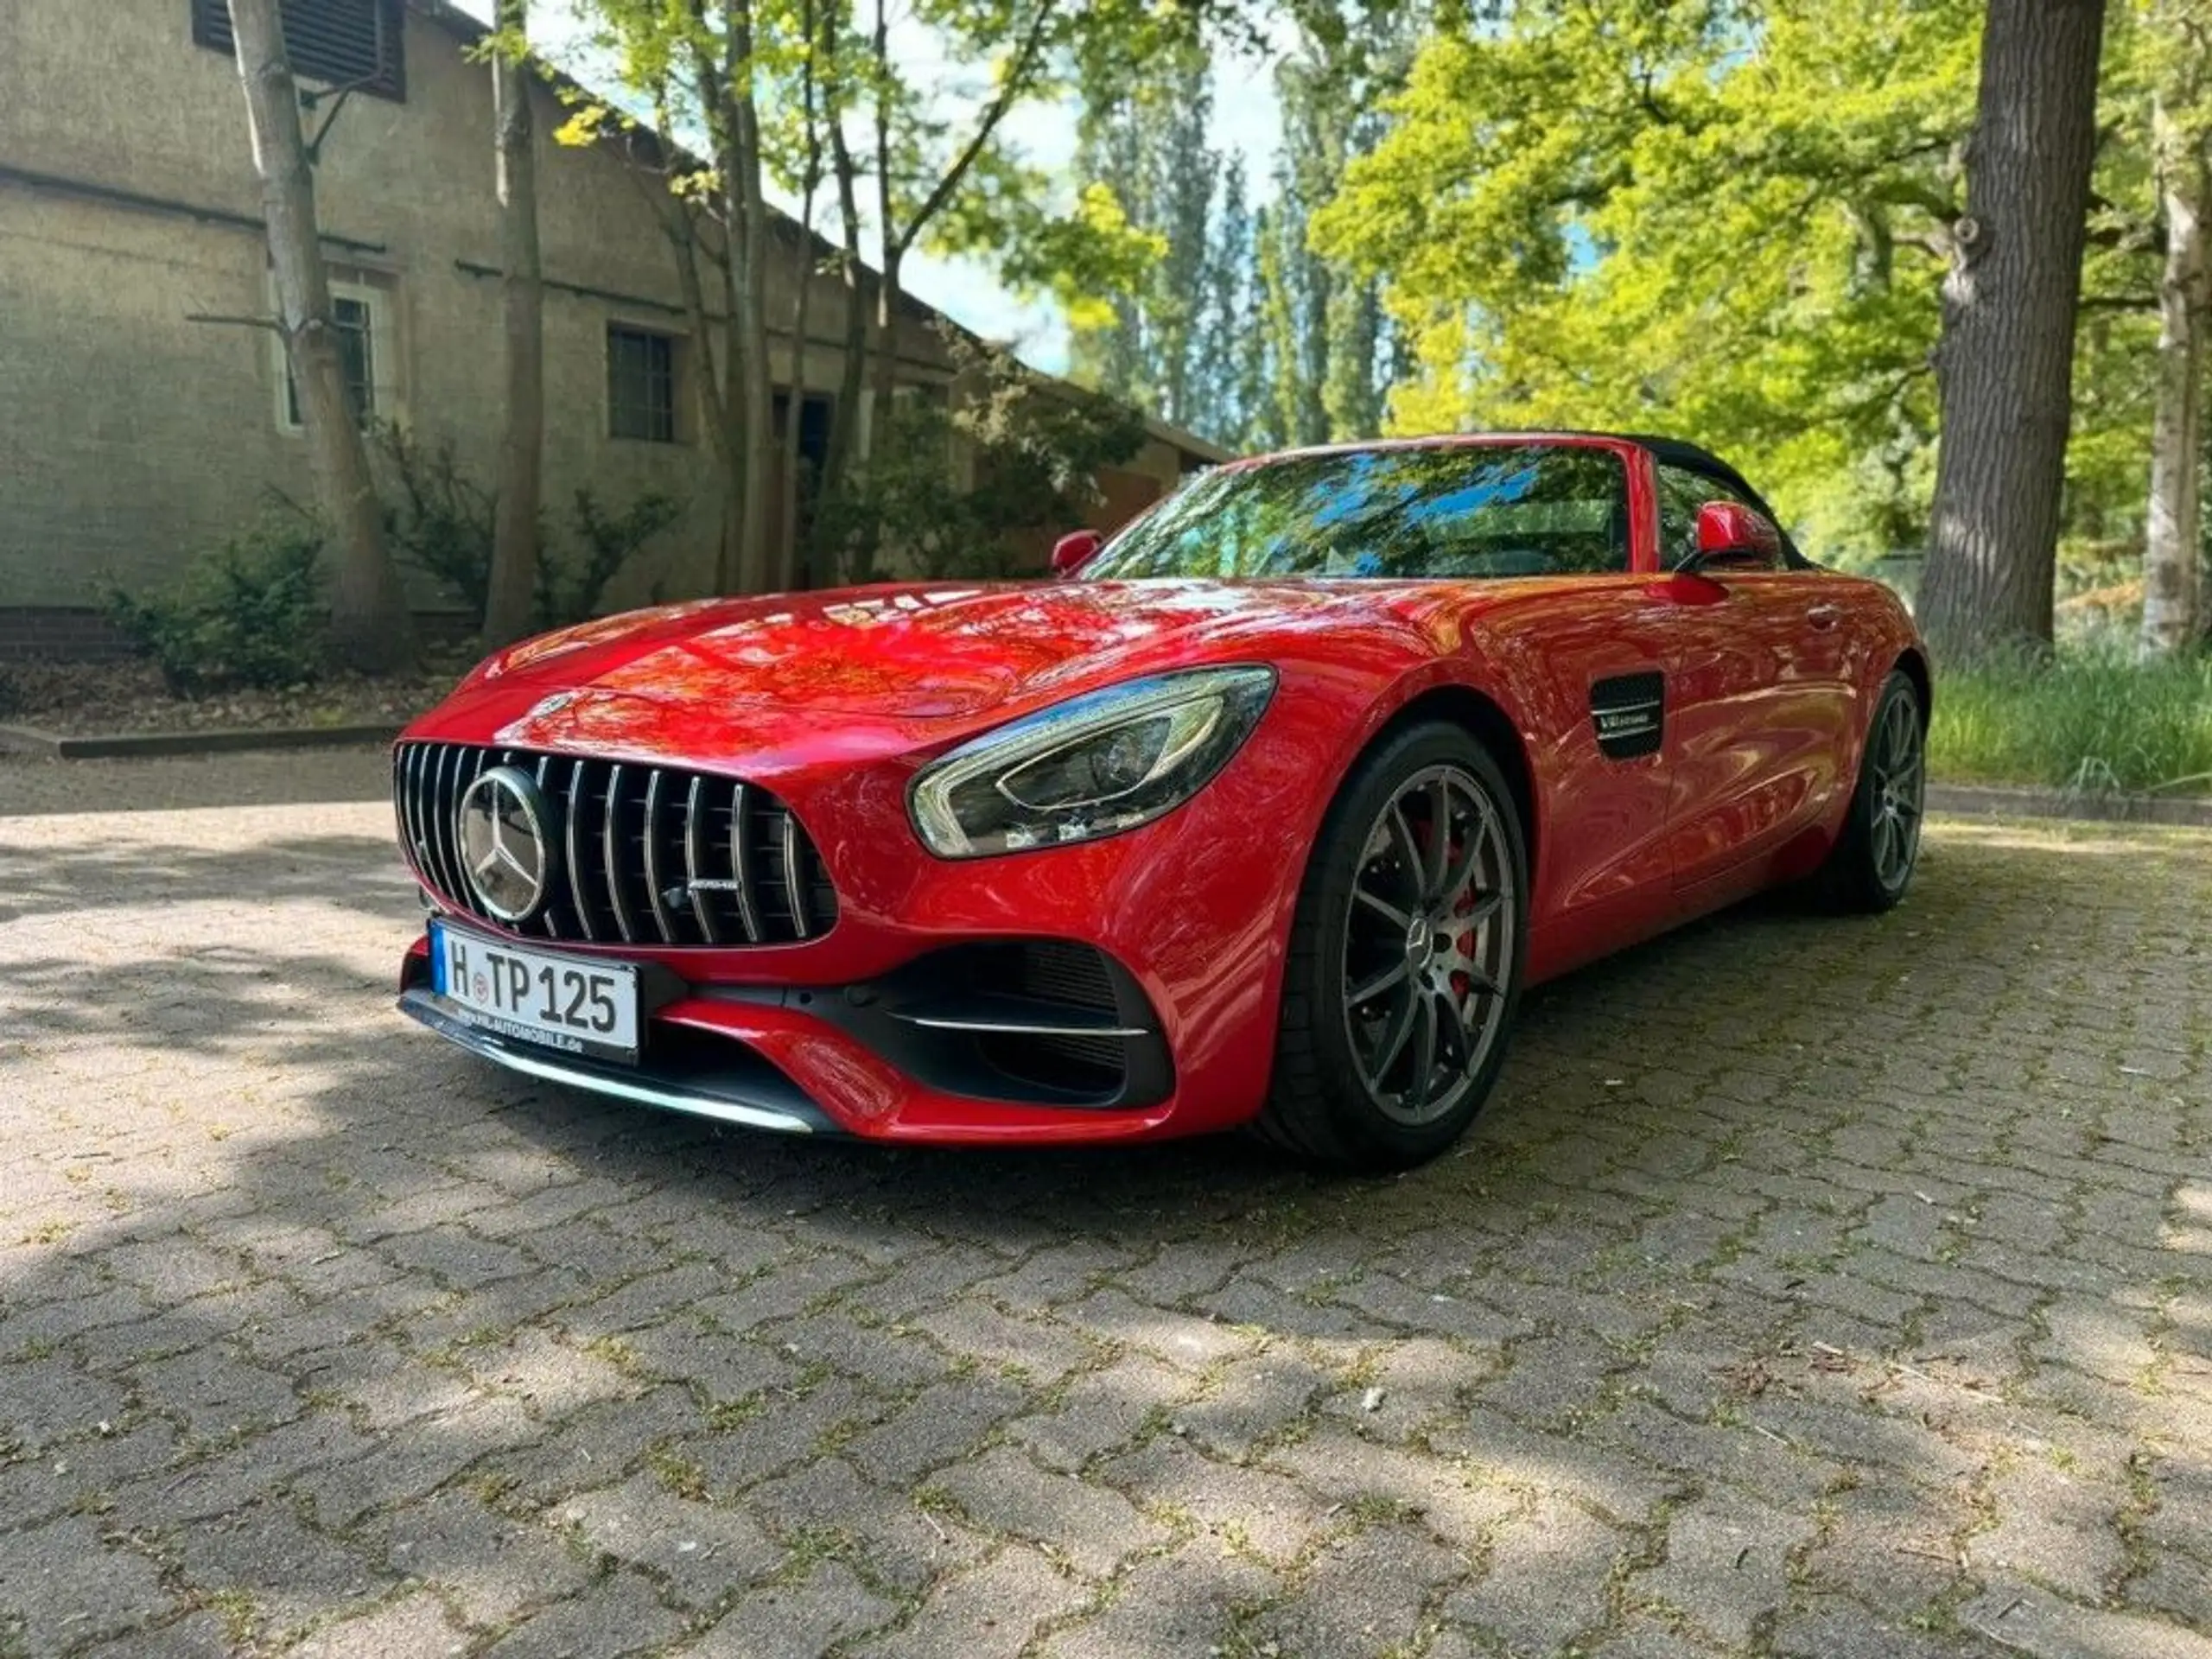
column 1405, row 957
column 1873, row 860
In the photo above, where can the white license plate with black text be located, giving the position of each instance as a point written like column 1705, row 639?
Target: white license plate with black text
column 565, row 1002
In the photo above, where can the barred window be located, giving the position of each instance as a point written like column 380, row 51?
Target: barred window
column 342, row 42
column 641, row 384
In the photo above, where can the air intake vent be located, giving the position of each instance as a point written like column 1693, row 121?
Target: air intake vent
column 353, row 43
column 643, row 855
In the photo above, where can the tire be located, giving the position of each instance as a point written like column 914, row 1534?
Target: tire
column 1871, row 863
column 1371, row 875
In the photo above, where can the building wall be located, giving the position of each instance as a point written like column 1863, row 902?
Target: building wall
column 131, row 438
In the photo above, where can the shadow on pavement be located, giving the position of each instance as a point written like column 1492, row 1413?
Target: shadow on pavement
column 1779, row 1239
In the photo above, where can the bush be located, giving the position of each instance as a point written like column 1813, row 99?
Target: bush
column 441, row 521
column 252, row 612
column 2093, row 719
column 1038, row 448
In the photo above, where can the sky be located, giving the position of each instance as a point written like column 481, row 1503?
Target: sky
column 1246, row 120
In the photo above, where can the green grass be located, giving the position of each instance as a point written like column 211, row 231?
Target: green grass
column 2095, row 720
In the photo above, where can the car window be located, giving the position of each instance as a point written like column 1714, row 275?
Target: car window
column 1466, row 511
column 1681, row 493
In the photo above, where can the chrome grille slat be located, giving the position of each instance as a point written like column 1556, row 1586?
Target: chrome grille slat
column 610, row 847
column 703, row 902
column 577, row 896
column 740, row 864
column 750, row 878
column 662, row 919
column 445, row 799
column 794, row 881
column 409, row 776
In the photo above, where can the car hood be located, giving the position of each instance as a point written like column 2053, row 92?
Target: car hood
column 861, row 669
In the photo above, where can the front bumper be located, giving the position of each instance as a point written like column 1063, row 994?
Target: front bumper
column 918, row 1054
column 759, row 1097
column 1192, row 912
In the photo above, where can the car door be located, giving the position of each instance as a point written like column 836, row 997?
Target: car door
column 1588, row 652
column 1764, row 698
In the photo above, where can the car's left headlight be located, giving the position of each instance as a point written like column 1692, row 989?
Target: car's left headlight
column 1094, row 765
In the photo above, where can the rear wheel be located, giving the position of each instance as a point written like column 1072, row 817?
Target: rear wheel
column 1405, row 957
column 1873, row 862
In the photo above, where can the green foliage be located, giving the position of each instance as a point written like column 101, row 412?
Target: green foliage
column 571, row 589
column 1739, row 234
column 1240, row 330
column 2094, row 719
column 1034, row 448
column 440, row 520
column 251, row 612
column 1732, row 218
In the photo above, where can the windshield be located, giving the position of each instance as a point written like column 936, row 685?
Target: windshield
column 1389, row 514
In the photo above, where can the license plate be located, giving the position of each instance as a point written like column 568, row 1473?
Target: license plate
column 565, row 1002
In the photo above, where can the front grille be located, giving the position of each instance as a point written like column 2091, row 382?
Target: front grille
column 647, row 854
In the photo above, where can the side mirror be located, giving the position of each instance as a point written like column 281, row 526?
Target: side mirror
column 1728, row 532
column 1073, row 551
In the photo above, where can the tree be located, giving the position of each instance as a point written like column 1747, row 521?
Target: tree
column 515, row 552
column 2004, row 366
column 1737, row 236
column 1144, row 140
column 371, row 627
column 2179, row 33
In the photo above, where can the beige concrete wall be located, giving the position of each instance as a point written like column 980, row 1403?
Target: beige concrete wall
column 131, row 437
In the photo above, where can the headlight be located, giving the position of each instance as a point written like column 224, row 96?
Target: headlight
column 1092, row 766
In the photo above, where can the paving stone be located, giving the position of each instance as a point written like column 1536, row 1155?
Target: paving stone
column 489, row 1566
column 2022, row 1619
column 1193, row 1601
column 1248, row 1509
column 945, row 1421
column 1726, row 1563
column 1365, row 1594
column 898, row 1537
column 702, row 1551
column 988, row 1611
column 1082, row 1522
column 828, row 1606
column 621, row 1615
column 1544, row 1580
column 63, row 1585
column 286, row 1573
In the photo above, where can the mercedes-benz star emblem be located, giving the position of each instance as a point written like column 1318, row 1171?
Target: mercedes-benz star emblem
column 508, row 842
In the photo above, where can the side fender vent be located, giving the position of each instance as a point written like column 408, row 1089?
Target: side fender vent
column 1630, row 714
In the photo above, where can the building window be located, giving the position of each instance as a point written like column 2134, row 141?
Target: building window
column 354, row 43
column 368, row 351
column 641, row 384
column 357, row 347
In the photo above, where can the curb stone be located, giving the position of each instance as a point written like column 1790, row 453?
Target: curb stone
column 1978, row 800
column 54, row 746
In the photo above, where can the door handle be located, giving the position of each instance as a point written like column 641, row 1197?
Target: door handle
column 1824, row 616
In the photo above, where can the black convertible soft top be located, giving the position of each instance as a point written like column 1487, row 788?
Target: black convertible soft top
column 1695, row 458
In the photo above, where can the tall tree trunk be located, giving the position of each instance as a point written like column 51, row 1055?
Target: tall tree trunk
column 510, row 601
column 788, row 539
column 737, row 124
column 852, row 374
column 2173, row 605
column 2004, row 367
column 875, row 407
column 370, row 627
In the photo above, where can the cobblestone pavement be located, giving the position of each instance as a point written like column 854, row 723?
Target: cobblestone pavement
column 1812, row 1288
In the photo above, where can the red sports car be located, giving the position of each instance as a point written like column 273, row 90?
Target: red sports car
column 1265, row 814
